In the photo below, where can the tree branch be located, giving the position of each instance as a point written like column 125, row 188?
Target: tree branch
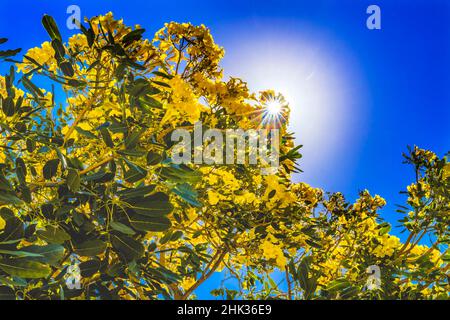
column 221, row 254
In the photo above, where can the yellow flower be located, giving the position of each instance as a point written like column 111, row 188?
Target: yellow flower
column 191, row 214
column 183, row 104
column 271, row 251
column 214, row 197
column 446, row 173
column 43, row 55
column 388, row 244
column 186, row 283
column 2, row 157
column 246, row 198
column 2, row 223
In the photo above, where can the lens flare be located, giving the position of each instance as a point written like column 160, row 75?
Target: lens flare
column 274, row 110
column 325, row 88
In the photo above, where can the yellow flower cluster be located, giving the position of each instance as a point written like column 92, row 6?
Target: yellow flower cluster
column 417, row 191
column 307, row 194
column 43, row 55
column 215, row 197
column 368, row 203
column 446, row 171
column 277, row 194
column 272, row 251
column 418, row 251
column 183, row 103
column 387, row 246
column 423, row 155
column 179, row 42
column 224, row 180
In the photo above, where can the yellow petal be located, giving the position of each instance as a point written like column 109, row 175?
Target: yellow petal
column 2, row 223
column 446, row 171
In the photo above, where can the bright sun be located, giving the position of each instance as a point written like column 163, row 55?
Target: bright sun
column 274, row 108
column 322, row 89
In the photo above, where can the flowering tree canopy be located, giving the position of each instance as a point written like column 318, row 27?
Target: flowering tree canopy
column 86, row 177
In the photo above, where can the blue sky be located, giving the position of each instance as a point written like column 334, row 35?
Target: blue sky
column 358, row 96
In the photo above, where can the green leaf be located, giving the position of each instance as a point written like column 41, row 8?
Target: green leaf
column 133, row 64
column 6, row 293
column 25, row 193
column 153, row 158
column 384, row 228
column 138, row 192
column 166, row 238
column 33, row 61
column 32, row 88
column 164, row 275
column 446, row 256
column 63, row 159
column 107, row 137
column 7, row 213
column 162, row 74
column 8, row 106
column 349, row 293
column 85, row 133
column 180, row 174
column 5, row 185
column 52, row 29
column 303, row 272
column 146, row 223
column 51, row 254
column 79, row 84
column 132, row 139
column 129, row 248
column 53, row 234
column 148, row 102
column 25, row 268
column 31, row 145
column 67, row 68
column 132, row 153
column 160, row 83
column 50, row 168
column 134, row 172
column 100, row 177
column 176, row 235
column 307, row 282
column 142, row 88
column 8, row 198
column 132, row 36
column 122, row 228
column 73, row 180
column 90, row 248
column 19, row 253
column 89, row 33
column 155, row 205
column 59, row 49
column 187, row 193
column 16, row 282
column 14, row 229
column 338, row 285
column 313, row 243
column 21, row 170
column 9, row 53
column 19, row 103
column 89, row 268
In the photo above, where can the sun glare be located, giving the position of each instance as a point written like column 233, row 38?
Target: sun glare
column 322, row 89
column 274, row 108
